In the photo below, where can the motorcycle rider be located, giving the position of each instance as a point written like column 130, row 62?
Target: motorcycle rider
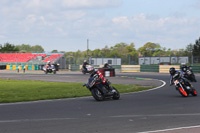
column 184, row 67
column 175, row 74
column 105, row 81
column 48, row 65
column 106, row 65
column 84, row 64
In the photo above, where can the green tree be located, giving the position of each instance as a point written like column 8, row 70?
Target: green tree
column 24, row 48
column 37, row 49
column 121, row 49
column 96, row 53
column 54, row 51
column 131, row 50
column 196, row 48
column 189, row 48
column 149, row 49
column 8, row 48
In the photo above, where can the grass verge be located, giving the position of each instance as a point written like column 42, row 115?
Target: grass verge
column 25, row 90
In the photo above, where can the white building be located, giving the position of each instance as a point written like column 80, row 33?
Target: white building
column 158, row 60
column 101, row 61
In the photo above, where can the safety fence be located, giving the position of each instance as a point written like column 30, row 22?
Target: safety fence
column 24, row 67
column 118, row 68
column 78, row 67
column 139, row 68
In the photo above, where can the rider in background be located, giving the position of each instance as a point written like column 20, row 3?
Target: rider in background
column 175, row 74
column 106, row 65
column 48, row 65
column 184, row 67
column 85, row 64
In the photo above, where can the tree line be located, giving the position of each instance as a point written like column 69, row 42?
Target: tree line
column 119, row 50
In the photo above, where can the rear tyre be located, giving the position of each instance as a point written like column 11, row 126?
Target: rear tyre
column 194, row 92
column 97, row 94
column 54, row 72
column 116, row 94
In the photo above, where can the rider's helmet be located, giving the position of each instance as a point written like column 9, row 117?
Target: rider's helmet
column 90, row 69
column 85, row 60
column 48, row 62
column 183, row 67
column 172, row 70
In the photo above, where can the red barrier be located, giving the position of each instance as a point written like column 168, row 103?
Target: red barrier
column 107, row 72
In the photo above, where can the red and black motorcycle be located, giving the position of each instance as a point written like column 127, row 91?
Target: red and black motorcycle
column 184, row 89
column 100, row 91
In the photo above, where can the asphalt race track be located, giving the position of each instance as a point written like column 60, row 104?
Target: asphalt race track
column 153, row 111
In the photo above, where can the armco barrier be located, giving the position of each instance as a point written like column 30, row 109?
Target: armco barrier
column 8, row 67
column 29, row 67
column 14, row 67
column 149, row 68
column 11, row 67
column 26, row 67
column 130, row 68
column 74, row 67
column 2, row 67
column 165, row 68
column 196, row 69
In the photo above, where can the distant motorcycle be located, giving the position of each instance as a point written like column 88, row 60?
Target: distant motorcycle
column 190, row 75
column 51, row 69
column 84, row 71
column 184, row 89
column 100, row 91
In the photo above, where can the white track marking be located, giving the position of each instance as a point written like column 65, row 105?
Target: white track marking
column 171, row 129
column 164, row 83
column 41, row 101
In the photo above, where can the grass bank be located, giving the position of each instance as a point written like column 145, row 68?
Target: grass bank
column 24, row 90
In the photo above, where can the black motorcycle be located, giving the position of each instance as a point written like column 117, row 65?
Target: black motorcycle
column 184, row 88
column 100, row 91
column 190, row 75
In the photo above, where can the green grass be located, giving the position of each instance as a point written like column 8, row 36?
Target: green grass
column 25, row 90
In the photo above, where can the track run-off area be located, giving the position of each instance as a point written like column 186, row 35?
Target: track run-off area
column 161, row 109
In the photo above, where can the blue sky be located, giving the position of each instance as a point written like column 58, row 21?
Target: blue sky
column 65, row 25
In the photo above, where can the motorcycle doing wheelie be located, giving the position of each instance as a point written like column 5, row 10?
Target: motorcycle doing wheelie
column 100, row 91
column 184, row 88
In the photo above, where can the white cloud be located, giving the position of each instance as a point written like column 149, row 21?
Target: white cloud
column 65, row 20
column 168, row 31
column 2, row 37
column 91, row 3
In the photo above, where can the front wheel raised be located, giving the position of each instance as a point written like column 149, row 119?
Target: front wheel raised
column 97, row 95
